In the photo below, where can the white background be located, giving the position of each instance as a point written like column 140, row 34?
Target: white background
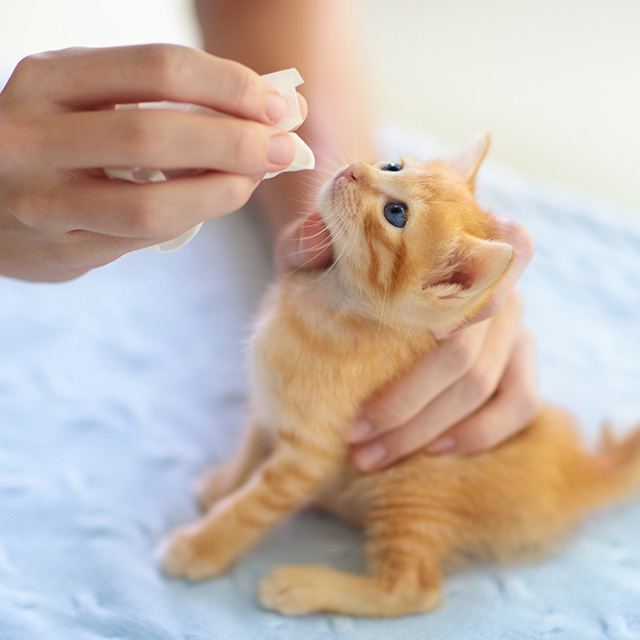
column 557, row 82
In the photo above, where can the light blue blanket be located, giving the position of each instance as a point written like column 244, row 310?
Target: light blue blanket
column 118, row 389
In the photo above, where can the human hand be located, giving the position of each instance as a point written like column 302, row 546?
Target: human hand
column 60, row 216
column 478, row 388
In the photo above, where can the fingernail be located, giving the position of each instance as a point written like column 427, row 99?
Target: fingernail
column 275, row 107
column 281, row 149
column 359, row 430
column 370, row 456
column 442, row 445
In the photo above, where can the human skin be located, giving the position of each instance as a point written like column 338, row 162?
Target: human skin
column 59, row 214
column 480, row 386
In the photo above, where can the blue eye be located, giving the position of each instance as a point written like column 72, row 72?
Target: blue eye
column 391, row 166
column 396, row 214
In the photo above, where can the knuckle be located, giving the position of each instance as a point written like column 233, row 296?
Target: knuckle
column 22, row 146
column 24, row 205
column 33, row 68
column 397, row 412
column 247, row 146
column 390, row 411
column 165, row 64
column 144, row 136
column 146, row 214
column 237, row 191
column 71, row 251
column 245, row 87
column 461, row 352
column 480, row 385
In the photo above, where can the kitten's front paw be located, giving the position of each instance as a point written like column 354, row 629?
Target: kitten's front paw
column 292, row 591
column 182, row 555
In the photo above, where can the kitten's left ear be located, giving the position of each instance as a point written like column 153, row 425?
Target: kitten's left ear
column 476, row 266
column 468, row 161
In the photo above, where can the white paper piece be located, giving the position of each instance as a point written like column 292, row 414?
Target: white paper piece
column 284, row 82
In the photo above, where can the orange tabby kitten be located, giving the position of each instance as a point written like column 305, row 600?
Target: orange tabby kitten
column 414, row 254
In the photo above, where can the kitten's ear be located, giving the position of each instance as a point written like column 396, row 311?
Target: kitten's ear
column 476, row 265
column 468, row 161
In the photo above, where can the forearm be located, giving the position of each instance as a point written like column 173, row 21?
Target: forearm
column 319, row 38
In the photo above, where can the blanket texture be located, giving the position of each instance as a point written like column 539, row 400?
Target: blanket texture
column 118, row 389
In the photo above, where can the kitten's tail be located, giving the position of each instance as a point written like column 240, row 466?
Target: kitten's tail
column 615, row 469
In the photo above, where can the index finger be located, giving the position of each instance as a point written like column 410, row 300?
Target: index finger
column 429, row 377
column 85, row 78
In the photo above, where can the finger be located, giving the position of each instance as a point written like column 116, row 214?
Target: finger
column 77, row 252
column 454, row 404
column 403, row 399
column 304, row 244
column 82, row 78
column 64, row 257
column 512, row 408
column 155, row 212
column 304, row 109
column 163, row 139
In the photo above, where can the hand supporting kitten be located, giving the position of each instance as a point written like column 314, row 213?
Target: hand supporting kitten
column 415, row 255
column 451, row 402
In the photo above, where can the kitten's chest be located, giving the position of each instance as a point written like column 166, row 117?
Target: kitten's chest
column 298, row 380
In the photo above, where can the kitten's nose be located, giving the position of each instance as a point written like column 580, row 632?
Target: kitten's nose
column 355, row 171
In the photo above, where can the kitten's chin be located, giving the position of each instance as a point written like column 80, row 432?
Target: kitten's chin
column 325, row 199
column 333, row 197
column 327, row 206
column 329, row 193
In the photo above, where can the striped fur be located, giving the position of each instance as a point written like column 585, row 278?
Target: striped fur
column 323, row 343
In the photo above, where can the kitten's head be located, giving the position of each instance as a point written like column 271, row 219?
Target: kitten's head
column 411, row 243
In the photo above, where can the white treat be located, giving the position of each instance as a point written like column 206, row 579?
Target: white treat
column 284, row 82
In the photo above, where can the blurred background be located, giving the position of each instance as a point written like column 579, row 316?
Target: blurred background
column 556, row 82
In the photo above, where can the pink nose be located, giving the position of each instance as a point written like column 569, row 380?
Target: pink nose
column 354, row 172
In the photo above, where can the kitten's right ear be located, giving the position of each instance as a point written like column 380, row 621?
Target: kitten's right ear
column 476, row 266
column 468, row 161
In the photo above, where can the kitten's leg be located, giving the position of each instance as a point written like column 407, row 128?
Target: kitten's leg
column 299, row 590
column 405, row 551
column 225, row 478
column 286, row 481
